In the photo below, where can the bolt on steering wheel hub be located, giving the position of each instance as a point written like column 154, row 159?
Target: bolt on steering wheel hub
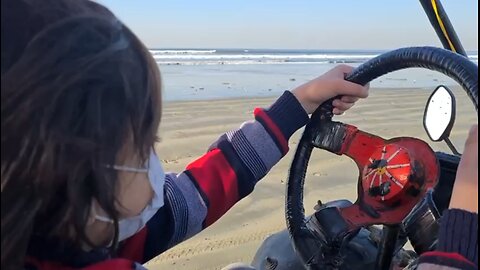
column 387, row 174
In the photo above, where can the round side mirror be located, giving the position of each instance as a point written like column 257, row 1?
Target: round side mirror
column 439, row 114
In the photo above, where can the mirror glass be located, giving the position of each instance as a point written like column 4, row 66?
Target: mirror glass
column 439, row 114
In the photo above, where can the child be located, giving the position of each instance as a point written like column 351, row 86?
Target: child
column 81, row 104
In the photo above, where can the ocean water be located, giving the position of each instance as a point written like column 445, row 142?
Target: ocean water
column 199, row 74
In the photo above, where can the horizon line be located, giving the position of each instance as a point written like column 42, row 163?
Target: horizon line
column 283, row 49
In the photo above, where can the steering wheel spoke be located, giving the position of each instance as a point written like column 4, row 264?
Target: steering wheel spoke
column 360, row 145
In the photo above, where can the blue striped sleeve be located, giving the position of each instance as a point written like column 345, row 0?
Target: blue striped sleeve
column 246, row 155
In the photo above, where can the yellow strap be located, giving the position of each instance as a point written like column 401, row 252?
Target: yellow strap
column 442, row 26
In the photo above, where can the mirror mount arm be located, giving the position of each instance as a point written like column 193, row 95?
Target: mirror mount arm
column 451, row 146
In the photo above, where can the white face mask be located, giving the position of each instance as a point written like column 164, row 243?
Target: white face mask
column 131, row 225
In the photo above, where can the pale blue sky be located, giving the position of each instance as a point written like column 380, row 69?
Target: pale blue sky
column 291, row 24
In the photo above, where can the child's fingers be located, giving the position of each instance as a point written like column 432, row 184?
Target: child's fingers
column 343, row 106
column 350, row 99
column 338, row 111
column 346, row 88
column 472, row 138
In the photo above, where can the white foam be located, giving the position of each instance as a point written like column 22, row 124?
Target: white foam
column 200, row 56
column 191, row 59
column 181, row 52
column 212, row 57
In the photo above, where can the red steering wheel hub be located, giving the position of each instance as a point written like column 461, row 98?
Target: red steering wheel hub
column 394, row 175
column 386, row 175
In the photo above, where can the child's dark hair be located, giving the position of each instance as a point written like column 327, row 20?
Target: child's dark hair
column 77, row 86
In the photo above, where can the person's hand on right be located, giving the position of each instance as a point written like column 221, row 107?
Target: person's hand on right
column 465, row 190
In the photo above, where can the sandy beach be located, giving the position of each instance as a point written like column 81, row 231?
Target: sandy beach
column 189, row 127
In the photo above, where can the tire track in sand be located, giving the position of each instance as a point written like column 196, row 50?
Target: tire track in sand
column 207, row 246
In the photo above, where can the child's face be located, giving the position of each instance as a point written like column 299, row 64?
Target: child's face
column 133, row 193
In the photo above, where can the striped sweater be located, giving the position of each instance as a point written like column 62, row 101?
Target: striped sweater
column 207, row 189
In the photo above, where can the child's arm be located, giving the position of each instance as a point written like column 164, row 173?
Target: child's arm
column 457, row 245
column 458, row 236
column 212, row 184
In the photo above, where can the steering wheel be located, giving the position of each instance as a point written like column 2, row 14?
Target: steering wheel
column 394, row 174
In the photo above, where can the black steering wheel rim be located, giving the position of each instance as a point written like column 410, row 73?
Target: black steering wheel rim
column 455, row 66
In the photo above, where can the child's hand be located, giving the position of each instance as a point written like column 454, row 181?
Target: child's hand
column 331, row 84
column 465, row 190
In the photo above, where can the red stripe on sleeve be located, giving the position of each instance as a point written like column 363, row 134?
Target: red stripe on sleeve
column 118, row 264
column 218, row 181
column 134, row 246
column 448, row 255
column 260, row 113
column 45, row 265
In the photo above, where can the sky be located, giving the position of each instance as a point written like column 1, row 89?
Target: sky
column 291, row 24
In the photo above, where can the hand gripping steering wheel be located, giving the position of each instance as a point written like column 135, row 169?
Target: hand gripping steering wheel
column 394, row 175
